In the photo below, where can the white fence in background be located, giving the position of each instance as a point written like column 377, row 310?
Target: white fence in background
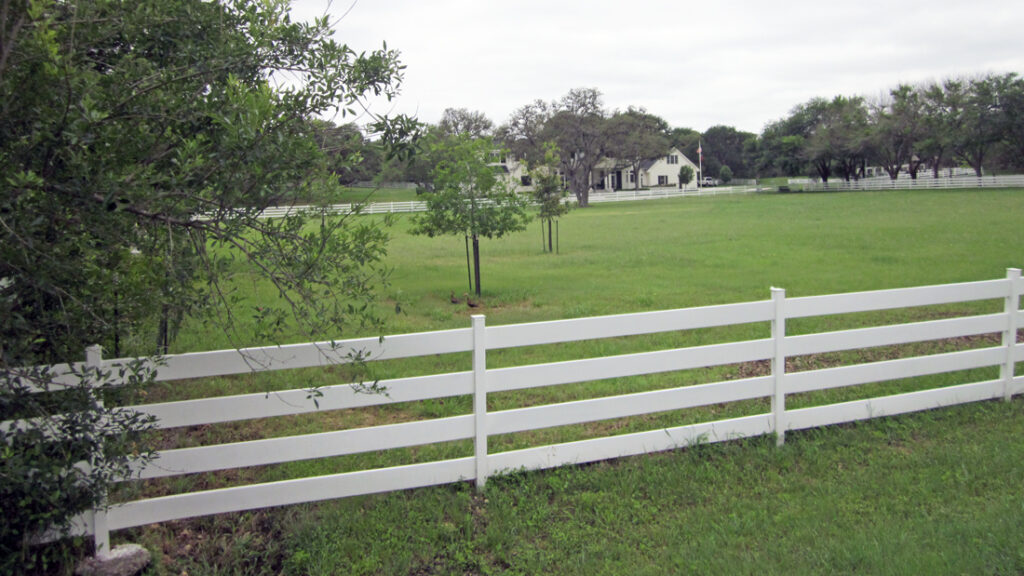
column 596, row 197
column 904, row 182
column 482, row 380
column 659, row 193
column 371, row 208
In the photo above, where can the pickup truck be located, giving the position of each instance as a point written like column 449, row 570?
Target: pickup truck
column 708, row 182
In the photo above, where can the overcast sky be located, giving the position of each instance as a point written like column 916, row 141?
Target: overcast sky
column 740, row 63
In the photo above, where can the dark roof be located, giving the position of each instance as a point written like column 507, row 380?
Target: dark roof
column 646, row 164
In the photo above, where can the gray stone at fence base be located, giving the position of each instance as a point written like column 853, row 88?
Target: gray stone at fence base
column 123, row 560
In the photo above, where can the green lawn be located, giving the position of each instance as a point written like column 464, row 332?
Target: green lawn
column 928, row 493
column 660, row 254
column 370, row 195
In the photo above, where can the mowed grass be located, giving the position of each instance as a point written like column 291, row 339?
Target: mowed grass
column 370, row 195
column 935, row 493
column 928, row 493
column 685, row 511
column 653, row 255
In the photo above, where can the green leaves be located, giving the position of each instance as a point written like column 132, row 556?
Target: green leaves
column 470, row 197
column 139, row 143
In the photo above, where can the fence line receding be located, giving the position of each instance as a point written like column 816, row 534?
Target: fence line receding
column 480, row 380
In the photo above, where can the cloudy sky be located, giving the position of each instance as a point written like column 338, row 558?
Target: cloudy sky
column 741, row 63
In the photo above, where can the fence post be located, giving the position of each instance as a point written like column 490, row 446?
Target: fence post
column 1012, row 307
column 100, row 531
column 779, row 366
column 480, row 398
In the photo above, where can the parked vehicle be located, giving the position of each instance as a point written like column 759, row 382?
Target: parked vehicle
column 708, row 182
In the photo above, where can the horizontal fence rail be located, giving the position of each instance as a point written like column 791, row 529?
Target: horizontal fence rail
column 477, row 426
column 905, row 182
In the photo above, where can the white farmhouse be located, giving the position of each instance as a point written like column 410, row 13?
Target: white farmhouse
column 609, row 174
column 513, row 169
column 658, row 172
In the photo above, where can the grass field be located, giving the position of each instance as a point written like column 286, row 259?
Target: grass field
column 929, row 493
column 369, row 195
column 652, row 255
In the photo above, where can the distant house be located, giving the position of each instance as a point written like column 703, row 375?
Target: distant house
column 662, row 171
column 512, row 168
column 609, row 174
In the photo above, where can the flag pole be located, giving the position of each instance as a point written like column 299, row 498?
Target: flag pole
column 700, row 166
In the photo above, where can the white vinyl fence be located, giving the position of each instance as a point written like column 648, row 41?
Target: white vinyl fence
column 480, row 339
column 806, row 184
column 371, row 208
column 904, row 182
column 659, row 193
column 596, row 197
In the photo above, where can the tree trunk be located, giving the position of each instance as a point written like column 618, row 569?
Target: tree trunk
column 163, row 332
column 977, row 168
column 476, row 262
column 117, row 325
column 549, row 236
column 824, row 170
column 912, row 167
column 469, row 277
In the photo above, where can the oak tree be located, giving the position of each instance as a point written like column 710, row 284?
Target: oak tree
column 139, row 144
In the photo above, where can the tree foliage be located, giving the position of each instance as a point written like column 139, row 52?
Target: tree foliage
column 980, row 121
column 725, row 145
column 578, row 128
column 470, row 198
column 523, row 134
column 1012, row 113
column 139, row 143
column 972, row 121
column 896, row 128
column 548, row 190
column 349, row 155
column 779, row 149
column 634, row 136
column 576, row 124
column 685, row 175
column 464, row 122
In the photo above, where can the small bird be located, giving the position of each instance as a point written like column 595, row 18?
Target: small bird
column 470, row 302
column 452, row 298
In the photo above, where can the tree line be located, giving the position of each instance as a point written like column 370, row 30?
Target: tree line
column 576, row 132
column 975, row 122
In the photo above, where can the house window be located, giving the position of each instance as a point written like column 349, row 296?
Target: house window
column 631, row 179
column 672, row 159
column 662, row 180
column 525, row 180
